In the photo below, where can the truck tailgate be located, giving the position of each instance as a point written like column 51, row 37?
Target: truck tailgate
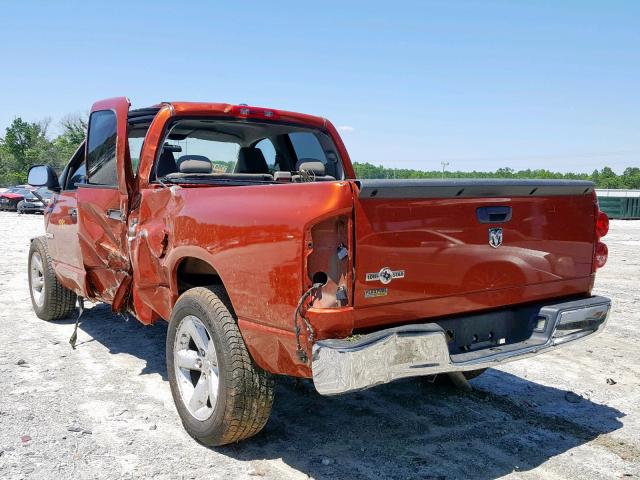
column 424, row 239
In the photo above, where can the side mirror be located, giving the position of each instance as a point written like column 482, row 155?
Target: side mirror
column 43, row 176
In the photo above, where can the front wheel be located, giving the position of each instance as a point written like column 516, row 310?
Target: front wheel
column 50, row 300
column 220, row 394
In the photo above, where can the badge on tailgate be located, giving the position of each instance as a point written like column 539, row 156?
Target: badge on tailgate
column 375, row 292
column 495, row 237
column 385, row 275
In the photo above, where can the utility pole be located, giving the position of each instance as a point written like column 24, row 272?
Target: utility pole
column 444, row 166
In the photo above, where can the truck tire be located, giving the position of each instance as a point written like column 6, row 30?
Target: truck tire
column 221, row 395
column 50, row 300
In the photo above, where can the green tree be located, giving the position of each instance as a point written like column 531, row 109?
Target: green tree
column 24, row 144
column 631, row 177
column 74, row 130
column 609, row 179
column 23, row 139
column 605, row 178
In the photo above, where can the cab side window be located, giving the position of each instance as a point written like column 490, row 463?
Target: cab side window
column 307, row 146
column 77, row 170
column 269, row 152
column 101, row 149
column 316, row 147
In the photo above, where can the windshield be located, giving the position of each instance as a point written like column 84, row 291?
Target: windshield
column 227, row 149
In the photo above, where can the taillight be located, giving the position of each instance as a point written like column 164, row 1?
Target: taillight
column 600, row 256
column 602, row 224
column 328, row 261
column 601, row 251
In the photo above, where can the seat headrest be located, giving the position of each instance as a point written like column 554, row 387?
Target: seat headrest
column 251, row 160
column 194, row 164
column 166, row 164
column 281, row 176
column 311, row 165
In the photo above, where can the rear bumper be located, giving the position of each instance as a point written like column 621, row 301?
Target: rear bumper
column 341, row 366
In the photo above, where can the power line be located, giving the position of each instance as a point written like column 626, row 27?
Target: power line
column 444, row 166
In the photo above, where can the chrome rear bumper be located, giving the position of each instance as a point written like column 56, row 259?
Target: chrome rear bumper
column 341, row 366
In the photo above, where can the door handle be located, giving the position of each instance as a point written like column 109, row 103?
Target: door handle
column 114, row 214
column 495, row 214
column 73, row 212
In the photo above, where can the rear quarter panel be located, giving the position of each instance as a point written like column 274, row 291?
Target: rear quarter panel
column 253, row 236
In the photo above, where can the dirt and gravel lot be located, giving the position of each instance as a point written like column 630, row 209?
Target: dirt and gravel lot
column 105, row 410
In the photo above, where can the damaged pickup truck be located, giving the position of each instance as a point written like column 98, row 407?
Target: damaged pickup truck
column 246, row 229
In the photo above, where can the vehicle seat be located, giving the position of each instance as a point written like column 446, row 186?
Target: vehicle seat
column 166, row 164
column 282, row 177
column 194, row 164
column 313, row 169
column 251, row 160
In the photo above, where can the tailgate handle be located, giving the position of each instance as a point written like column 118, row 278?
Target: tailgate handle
column 496, row 214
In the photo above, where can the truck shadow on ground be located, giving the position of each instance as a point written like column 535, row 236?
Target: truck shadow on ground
column 408, row 429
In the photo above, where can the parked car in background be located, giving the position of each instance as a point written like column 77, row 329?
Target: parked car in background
column 9, row 200
column 33, row 203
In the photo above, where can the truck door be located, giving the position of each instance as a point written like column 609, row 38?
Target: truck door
column 62, row 226
column 103, row 203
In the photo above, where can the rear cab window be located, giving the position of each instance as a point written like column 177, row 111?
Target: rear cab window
column 269, row 152
column 210, row 149
column 307, row 145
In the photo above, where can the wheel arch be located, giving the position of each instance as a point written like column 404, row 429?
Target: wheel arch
column 195, row 267
column 191, row 267
column 192, row 272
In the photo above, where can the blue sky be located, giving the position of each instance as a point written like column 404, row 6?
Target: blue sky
column 480, row 84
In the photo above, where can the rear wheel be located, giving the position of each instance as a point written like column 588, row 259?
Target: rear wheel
column 220, row 394
column 50, row 300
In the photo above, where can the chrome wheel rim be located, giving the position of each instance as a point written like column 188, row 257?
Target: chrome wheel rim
column 196, row 367
column 36, row 276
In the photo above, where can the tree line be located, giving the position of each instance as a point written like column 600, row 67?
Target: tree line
column 604, row 178
column 28, row 143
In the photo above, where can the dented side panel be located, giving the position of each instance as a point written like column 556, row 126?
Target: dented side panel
column 62, row 230
column 102, row 219
column 253, row 237
column 103, row 242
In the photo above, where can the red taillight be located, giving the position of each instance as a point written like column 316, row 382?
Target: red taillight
column 600, row 256
column 602, row 224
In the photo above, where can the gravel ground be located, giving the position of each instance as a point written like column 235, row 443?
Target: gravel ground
column 105, row 410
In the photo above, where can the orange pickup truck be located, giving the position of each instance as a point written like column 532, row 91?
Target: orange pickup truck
column 246, row 229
